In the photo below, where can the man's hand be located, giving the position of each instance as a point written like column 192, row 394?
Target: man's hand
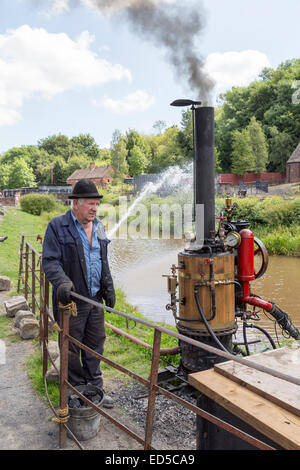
column 64, row 291
column 110, row 301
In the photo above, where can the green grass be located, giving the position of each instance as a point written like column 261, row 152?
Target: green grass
column 34, row 369
column 15, row 224
column 285, row 240
column 128, row 354
column 6, row 331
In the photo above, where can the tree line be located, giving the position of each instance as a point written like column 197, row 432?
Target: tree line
column 256, row 129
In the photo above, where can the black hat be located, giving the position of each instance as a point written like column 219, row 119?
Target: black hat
column 85, row 188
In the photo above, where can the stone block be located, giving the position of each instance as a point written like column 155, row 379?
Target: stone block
column 22, row 314
column 13, row 305
column 53, row 348
column 52, row 375
column 29, row 328
column 5, row 283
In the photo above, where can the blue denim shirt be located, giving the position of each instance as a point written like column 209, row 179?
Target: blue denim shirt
column 92, row 254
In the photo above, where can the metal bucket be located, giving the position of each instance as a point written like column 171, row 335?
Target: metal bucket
column 84, row 422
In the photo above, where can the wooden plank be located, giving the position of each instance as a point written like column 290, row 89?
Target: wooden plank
column 280, row 425
column 281, row 392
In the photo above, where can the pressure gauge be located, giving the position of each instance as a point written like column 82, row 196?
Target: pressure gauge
column 233, row 239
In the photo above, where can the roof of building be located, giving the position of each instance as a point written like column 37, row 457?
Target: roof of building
column 96, row 172
column 295, row 157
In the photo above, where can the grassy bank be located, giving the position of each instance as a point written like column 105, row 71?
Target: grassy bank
column 15, row 224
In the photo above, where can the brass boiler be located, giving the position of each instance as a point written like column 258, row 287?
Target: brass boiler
column 211, row 274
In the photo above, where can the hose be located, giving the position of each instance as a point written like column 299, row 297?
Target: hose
column 205, row 321
column 245, row 339
column 245, row 325
column 284, row 321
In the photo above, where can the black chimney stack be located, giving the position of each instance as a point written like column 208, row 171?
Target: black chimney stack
column 204, row 168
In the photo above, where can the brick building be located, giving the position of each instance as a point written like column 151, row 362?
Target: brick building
column 293, row 167
column 101, row 176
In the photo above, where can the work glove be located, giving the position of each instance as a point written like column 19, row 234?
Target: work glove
column 64, row 292
column 110, row 301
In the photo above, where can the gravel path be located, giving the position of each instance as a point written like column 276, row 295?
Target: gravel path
column 25, row 418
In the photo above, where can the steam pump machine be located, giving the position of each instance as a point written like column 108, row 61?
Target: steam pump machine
column 210, row 287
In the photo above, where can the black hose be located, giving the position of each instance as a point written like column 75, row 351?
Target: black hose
column 205, row 321
column 284, row 321
column 263, row 331
column 245, row 338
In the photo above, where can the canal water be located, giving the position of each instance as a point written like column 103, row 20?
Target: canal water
column 138, row 267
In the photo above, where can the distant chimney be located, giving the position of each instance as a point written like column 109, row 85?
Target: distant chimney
column 92, row 166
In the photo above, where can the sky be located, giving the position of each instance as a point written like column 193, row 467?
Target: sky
column 88, row 67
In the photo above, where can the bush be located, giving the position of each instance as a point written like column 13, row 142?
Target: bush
column 37, row 203
column 269, row 212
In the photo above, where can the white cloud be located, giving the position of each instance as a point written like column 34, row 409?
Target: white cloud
column 235, row 69
column 34, row 61
column 138, row 101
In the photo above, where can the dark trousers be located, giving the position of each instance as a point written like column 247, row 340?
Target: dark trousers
column 88, row 328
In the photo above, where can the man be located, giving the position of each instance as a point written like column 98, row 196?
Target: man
column 75, row 258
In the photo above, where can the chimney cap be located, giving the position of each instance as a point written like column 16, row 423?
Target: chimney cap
column 185, row 102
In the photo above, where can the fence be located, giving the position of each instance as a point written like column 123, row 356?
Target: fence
column 32, row 275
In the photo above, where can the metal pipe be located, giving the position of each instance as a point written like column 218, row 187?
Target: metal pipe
column 162, row 351
column 204, row 172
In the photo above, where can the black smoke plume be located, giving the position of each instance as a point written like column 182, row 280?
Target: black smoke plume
column 170, row 26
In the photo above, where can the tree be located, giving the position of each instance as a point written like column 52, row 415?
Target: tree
column 119, row 155
column 165, row 150
column 59, row 146
column 76, row 163
column 4, row 174
column 85, row 143
column 281, row 147
column 259, row 145
column 20, row 175
column 60, row 171
column 137, row 161
column 269, row 100
column 186, row 135
column 243, row 159
column 159, row 126
column 218, row 168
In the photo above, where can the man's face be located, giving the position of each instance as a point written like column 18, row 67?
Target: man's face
column 85, row 210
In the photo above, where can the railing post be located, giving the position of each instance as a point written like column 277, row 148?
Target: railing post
column 41, row 312
column 21, row 262
column 45, row 303
column 152, row 392
column 63, row 397
column 26, row 272
column 33, row 282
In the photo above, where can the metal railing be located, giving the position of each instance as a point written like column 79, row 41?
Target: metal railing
column 34, row 277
